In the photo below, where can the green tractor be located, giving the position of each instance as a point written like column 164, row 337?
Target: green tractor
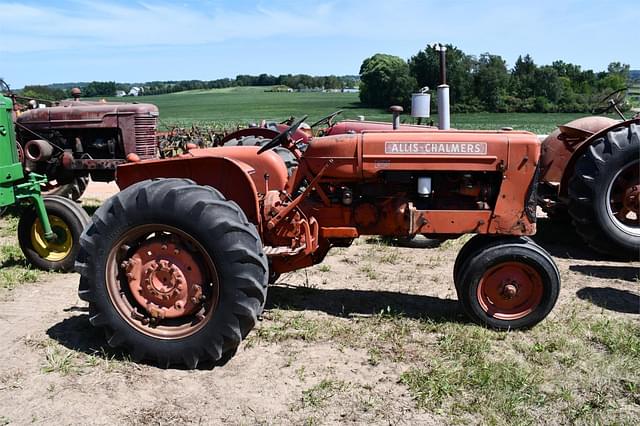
column 50, row 226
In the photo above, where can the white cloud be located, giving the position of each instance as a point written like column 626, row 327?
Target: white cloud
column 90, row 24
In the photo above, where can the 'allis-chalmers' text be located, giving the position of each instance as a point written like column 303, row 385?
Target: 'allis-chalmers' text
column 459, row 148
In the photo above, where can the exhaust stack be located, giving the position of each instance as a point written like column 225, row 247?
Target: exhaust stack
column 444, row 115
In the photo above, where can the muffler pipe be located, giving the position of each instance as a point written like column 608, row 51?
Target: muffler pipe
column 444, row 114
column 38, row 150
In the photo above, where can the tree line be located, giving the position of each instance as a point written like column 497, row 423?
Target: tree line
column 109, row 88
column 296, row 82
column 485, row 83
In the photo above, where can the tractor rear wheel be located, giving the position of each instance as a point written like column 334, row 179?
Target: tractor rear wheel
column 508, row 283
column 604, row 193
column 173, row 272
column 67, row 219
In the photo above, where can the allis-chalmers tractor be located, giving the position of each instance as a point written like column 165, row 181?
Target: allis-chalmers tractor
column 175, row 267
column 590, row 169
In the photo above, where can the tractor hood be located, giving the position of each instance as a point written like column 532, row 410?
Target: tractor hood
column 369, row 153
column 81, row 112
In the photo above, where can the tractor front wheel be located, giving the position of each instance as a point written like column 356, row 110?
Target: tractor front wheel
column 508, row 283
column 67, row 219
column 173, row 272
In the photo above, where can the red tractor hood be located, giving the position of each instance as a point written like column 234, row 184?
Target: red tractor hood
column 83, row 112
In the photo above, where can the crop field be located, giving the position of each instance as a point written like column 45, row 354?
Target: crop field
column 241, row 105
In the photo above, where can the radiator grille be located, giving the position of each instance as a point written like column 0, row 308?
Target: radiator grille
column 145, row 128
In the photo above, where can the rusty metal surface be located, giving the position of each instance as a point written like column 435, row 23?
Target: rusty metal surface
column 344, row 187
column 234, row 179
column 353, row 126
column 165, row 278
column 560, row 146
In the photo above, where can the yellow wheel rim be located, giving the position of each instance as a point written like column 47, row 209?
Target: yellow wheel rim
column 56, row 249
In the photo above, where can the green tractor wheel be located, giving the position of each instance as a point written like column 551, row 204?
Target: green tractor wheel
column 67, row 220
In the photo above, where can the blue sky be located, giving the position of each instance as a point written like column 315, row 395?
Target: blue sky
column 79, row 40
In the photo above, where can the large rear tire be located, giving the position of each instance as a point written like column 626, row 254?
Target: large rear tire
column 508, row 283
column 173, row 272
column 67, row 219
column 604, row 192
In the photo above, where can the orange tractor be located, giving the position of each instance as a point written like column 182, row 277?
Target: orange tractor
column 175, row 267
column 590, row 171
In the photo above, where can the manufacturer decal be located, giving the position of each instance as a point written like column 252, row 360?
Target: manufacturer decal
column 426, row 148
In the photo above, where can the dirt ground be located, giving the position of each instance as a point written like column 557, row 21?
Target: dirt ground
column 337, row 343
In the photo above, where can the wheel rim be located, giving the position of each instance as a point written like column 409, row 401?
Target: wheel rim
column 510, row 291
column 162, row 281
column 623, row 196
column 54, row 250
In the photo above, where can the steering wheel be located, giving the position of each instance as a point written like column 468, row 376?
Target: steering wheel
column 327, row 119
column 609, row 102
column 4, row 87
column 283, row 136
column 288, row 121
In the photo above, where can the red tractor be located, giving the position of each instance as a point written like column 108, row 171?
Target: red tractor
column 71, row 140
column 175, row 267
column 589, row 172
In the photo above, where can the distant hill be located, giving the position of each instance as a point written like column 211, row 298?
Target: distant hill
column 635, row 75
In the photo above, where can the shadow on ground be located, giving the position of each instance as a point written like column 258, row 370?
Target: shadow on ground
column 346, row 302
column 560, row 240
column 626, row 273
column 622, row 301
column 77, row 334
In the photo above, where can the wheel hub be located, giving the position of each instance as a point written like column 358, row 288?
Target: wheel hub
column 165, row 279
column 509, row 289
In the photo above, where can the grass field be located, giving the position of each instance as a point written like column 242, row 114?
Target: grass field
column 240, row 105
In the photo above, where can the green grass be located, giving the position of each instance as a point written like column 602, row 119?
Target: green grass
column 14, row 269
column 221, row 108
column 318, row 395
column 579, row 367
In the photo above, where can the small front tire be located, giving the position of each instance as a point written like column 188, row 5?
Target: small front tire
column 67, row 219
column 509, row 284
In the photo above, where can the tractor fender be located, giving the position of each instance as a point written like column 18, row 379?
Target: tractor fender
column 562, row 148
column 231, row 177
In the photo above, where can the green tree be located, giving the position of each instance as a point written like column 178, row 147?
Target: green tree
column 425, row 67
column 523, row 77
column 491, row 80
column 99, row 88
column 385, row 81
column 43, row 93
